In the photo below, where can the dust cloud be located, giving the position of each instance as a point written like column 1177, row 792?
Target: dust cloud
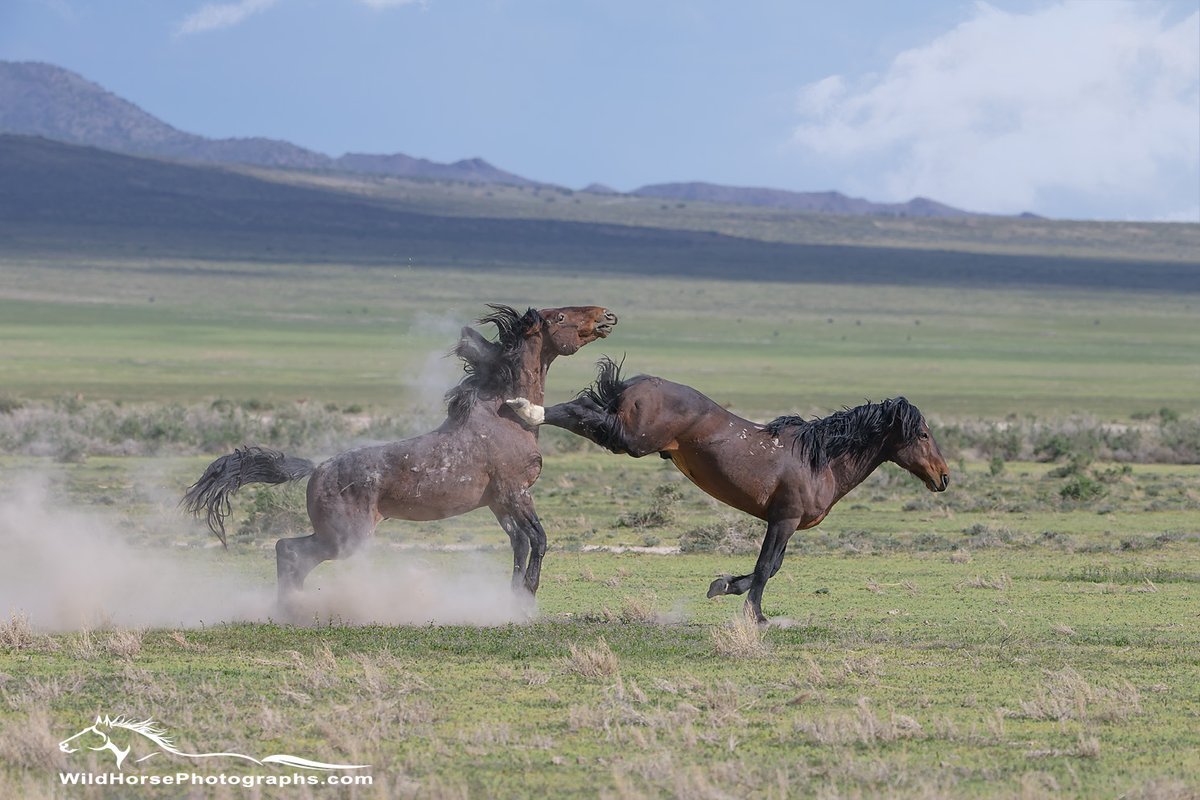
column 68, row 569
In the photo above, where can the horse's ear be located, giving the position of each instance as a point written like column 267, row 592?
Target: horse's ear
column 473, row 346
column 532, row 322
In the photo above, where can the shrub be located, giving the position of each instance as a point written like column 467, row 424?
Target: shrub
column 729, row 536
column 274, row 511
column 1081, row 488
column 661, row 511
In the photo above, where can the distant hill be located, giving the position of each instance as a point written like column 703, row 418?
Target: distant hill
column 468, row 170
column 39, row 99
column 44, row 100
column 818, row 202
column 78, row 204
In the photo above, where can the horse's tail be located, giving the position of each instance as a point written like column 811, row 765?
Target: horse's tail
column 229, row 473
column 606, row 391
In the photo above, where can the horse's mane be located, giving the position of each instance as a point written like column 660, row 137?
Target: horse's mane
column 850, row 431
column 493, row 368
column 147, row 727
column 608, row 386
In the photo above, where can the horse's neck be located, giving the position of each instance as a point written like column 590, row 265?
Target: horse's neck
column 853, row 468
column 535, row 363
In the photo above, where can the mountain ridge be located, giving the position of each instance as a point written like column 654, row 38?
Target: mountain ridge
column 830, row 202
column 40, row 99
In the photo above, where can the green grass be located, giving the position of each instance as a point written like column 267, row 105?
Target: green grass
column 974, row 643
column 902, row 676
column 374, row 337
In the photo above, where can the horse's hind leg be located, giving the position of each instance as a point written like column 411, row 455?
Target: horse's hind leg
column 295, row 558
column 770, row 559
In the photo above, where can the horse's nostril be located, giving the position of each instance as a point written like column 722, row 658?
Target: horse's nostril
column 945, row 480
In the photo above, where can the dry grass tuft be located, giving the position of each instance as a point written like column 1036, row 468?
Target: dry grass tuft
column 741, row 637
column 83, row 645
column 640, row 608
column 596, row 661
column 866, row 666
column 123, row 642
column 17, row 633
column 39, row 692
column 178, row 638
column 317, row 672
column 1085, row 747
column 30, row 741
column 1068, row 695
column 863, row 726
column 1163, row 789
column 999, row 582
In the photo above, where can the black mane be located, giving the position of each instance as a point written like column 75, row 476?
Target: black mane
column 849, row 431
column 492, row 368
column 606, row 391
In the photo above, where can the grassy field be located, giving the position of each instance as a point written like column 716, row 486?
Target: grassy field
column 179, row 331
column 999, row 640
column 1032, row 632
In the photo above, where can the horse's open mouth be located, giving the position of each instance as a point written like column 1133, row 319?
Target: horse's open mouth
column 607, row 322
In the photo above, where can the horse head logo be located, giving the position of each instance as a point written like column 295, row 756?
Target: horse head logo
column 98, row 737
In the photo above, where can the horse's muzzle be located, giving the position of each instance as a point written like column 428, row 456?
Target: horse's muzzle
column 606, row 324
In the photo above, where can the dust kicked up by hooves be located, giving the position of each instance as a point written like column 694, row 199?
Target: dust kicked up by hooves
column 67, row 569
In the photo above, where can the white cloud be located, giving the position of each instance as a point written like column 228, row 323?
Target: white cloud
column 214, row 16
column 1091, row 106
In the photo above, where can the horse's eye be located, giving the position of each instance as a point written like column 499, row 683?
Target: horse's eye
column 924, row 435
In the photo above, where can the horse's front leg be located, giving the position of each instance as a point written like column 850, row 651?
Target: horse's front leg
column 537, row 550
column 770, row 559
column 519, row 520
column 519, row 540
column 580, row 416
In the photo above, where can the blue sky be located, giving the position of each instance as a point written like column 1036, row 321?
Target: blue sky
column 1084, row 109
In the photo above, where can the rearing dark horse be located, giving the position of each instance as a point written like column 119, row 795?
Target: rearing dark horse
column 482, row 455
column 789, row 472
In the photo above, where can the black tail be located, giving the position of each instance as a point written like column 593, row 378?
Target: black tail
column 606, row 391
column 229, row 473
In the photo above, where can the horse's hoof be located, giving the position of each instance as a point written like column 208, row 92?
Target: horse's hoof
column 720, row 586
column 528, row 412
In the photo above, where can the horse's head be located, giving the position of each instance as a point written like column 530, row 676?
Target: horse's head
column 912, row 446
column 569, row 328
column 93, row 738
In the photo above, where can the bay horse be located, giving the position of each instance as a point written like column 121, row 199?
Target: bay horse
column 789, row 472
column 482, row 455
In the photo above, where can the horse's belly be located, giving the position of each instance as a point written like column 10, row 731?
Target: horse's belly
column 720, row 486
column 433, row 497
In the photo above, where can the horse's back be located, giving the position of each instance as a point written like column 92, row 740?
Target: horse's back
column 428, row 477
